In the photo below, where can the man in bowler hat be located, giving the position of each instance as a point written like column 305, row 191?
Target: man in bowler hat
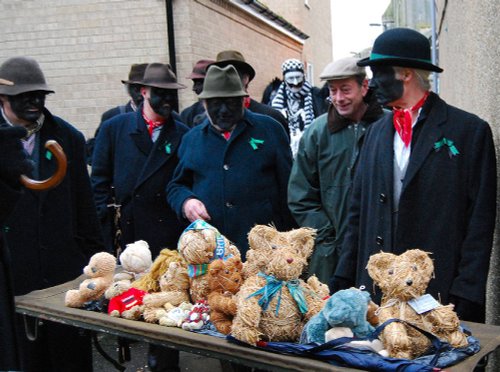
column 51, row 234
column 426, row 179
column 136, row 153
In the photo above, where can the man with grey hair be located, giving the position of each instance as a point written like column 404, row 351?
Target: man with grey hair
column 321, row 177
column 426, row 179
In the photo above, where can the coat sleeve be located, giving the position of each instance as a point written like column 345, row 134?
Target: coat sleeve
column 304, row 192
column 470, row 283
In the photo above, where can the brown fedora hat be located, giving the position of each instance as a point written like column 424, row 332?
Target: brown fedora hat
column 222, row 82
column 235, row 58
column 160, row 75
column 25, row 75
column 136, row 73
column 200, row 69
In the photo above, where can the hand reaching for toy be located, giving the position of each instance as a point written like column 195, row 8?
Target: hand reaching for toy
column 194, row 210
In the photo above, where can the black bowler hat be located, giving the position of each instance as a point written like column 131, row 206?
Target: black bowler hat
column 402, row 47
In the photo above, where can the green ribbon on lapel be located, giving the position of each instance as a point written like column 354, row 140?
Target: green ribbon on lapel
column 168, row 148
column 453, row 151
column 48, row 155
column 254, row 142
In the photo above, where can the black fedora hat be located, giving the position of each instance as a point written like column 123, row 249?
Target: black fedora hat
column 160, row 75
column 136, row 73
column 23, row 74
column 235, row 58
column 402, row 47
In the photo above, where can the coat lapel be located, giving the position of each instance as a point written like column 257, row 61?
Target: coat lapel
column 431, row 133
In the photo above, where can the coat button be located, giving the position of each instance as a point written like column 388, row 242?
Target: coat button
column 379, row 240
column 382, row 198
column 225, row 166
column 229, row 204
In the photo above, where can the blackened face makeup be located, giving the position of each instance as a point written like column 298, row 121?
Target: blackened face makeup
column 225, row 113
column 198, row 86
column 162, row 101
column 134, row 91
column 28, row 106
column 386, row 87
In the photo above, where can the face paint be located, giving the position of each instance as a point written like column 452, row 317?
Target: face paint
column 162, row 101
column 198, row 86
column 28, row 106
column 225, row 113
column 134, row 91
column 386, row 87
column 294, row 80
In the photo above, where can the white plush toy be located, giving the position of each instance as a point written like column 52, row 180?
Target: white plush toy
column 173, row 316
column 339, row 332
column 135, row 260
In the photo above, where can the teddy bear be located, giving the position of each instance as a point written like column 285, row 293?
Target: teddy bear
column 124, row 300
column 346, row 308
column 224, row 281
column 403, row 280
column 174, row 286
column 274, row 304
column 135, row 261
column 198, row 317
column 199, row 244
column 100, row 271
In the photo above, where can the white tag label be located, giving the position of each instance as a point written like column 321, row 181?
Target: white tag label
column 423, row 304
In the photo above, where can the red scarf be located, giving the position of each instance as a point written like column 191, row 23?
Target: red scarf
column 402, row 120
column 151, row 123
column 246, row 101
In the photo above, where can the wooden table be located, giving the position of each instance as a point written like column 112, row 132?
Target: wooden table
column 48, row 304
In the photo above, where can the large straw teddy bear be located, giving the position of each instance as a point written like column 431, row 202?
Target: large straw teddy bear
column 100, row 271
column 274, row 304
column 402, row 279
column 199, row 244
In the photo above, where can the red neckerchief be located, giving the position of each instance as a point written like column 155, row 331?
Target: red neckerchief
column 226, row 135
column 246, row 101
column 151, row 123
column 403, row 120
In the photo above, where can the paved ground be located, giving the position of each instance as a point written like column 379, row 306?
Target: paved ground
column 138, row 362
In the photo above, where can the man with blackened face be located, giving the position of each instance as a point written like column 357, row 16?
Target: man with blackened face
column 56, row 228
column 234, row 167
column 136, row 155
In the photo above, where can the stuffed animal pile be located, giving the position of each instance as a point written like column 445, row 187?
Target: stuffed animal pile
column 274, row 304
column 404, row 279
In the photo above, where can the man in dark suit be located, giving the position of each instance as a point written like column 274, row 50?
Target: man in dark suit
column 136, row 153
column 50, row 234
column 426, row 179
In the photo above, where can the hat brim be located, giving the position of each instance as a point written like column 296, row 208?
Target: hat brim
column 164, row 85
column 222, row 95
column 239, row 65
column 14, row 90
column 194, row 75
column 132, row 82
column 400, row 62
column 338, row 77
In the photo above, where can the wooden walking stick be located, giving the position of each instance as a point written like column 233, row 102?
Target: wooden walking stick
column 57, row 177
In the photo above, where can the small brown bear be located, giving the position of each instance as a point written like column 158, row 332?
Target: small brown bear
column 274, row 304
column 402, row 279
column 224, row 281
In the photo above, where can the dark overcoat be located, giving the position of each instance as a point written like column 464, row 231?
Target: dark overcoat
column 447, row 205
column 52, row 234
column 126, row 158
column 242, row 181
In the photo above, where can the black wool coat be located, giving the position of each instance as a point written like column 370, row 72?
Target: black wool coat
column 52, row 234
column 126, row 158
column 447, row 205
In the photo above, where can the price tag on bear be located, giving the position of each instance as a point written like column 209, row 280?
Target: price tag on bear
column 424, row 303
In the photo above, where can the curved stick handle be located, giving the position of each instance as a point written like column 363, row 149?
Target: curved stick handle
column 57, row 177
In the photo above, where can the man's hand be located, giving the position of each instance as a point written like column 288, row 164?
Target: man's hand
column 194, row 210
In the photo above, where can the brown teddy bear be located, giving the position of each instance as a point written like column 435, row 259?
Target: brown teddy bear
column 403, row 280
column 224, row 281
column 100, row 271
column 275, row 304
column 174, row 285
column 124, row 301
column 199, row 244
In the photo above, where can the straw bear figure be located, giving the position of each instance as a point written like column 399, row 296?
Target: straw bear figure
column 404, row 278
column 274, row 304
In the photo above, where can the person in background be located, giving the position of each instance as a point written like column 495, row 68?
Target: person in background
column 238, row 175
column 323, row 170
column 295, row 101
column 426, row 179
column 52, row 234
column 195, row 114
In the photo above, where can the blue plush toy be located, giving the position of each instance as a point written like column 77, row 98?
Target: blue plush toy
column 346, row 308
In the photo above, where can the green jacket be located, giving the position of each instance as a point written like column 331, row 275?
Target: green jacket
column 320, row 182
